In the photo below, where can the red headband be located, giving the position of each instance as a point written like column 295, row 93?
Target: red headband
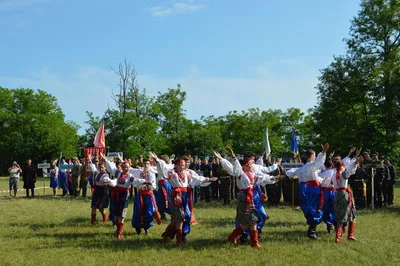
column 178, row 161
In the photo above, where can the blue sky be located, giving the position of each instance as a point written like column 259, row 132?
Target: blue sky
column 227, row 55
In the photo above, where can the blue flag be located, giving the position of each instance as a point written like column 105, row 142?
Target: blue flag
column 293, row 146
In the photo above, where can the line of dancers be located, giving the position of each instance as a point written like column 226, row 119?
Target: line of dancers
column 168, row 188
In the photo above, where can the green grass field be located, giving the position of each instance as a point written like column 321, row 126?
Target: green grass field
column 57, row 231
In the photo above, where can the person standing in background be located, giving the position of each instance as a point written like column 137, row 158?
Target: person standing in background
column 14, row 172
column 29, row 178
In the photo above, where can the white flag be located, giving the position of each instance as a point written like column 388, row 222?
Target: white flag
column 267, row 147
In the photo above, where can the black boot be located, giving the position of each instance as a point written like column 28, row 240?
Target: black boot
column 243, row 240
column 312, row 232
column 329, row 228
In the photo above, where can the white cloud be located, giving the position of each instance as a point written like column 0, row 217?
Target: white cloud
column 7, row 5
column 176, row 8
column 90, row 89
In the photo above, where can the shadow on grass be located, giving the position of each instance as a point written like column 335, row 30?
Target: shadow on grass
column 73, row 222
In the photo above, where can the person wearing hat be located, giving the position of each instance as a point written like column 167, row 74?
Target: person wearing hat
column 14, row 172
column 386, row 183
column 390, row 186
column 379, row 177
column 206, row 168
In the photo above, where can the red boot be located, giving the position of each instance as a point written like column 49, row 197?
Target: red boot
column 350, row 234
column 254, row 239
column 93, row 220
column 339, row 231
column 120, row 227
column 179, row 238
column 105, row 218
column 234, row 236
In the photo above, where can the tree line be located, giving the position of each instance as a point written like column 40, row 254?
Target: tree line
column 358, row 104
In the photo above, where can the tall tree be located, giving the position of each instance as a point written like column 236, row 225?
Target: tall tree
column 359, row 92
column 33, row 125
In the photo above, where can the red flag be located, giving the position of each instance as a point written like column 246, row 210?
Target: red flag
column 100, row 139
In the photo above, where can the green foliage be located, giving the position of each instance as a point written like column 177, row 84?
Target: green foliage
column 32, row 125
column 359, row 94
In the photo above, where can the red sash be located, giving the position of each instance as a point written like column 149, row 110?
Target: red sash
column 164, row 191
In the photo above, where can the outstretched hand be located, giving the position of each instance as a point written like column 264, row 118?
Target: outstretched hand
column 325, row 147
column 213, row 179
column 229, row 149
column 218, row 155
column 153, row 155
column 358, row 151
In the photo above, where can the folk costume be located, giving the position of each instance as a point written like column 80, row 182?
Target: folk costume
column 54, row 179
column 145, row 207
column 119, row 198
column 247, row 215
column 164, row 188
column 311, row 198
column 100, row 199
column 344, row 201
column 182, row 201
column 329, row 191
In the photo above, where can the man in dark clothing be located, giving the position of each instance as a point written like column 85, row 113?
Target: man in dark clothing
column 224, row 184
column 274, row 191
column 206, row 168
column 357, row 183
column 29, row 178
column 380, row 174
column 215, row 185
column 389, row 186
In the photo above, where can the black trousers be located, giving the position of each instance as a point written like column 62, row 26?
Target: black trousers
column 225, row 188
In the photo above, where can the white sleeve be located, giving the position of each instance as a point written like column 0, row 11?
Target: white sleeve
column 233, row 169
column 350, row 170
column 137, row 182
column 197, row 180
column 113, row 182
column 269, row 169
column 135, row 172
column 319, row 162
column 265, row 179
column 293, row 171
column 111, row 167
column 162, row 167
